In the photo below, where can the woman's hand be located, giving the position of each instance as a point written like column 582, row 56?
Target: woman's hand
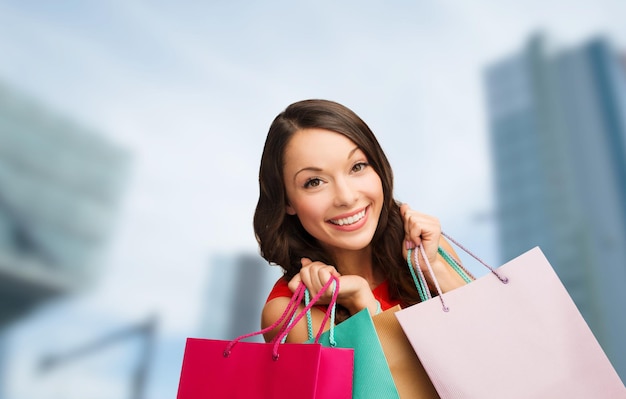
column 425, row 230
column 420, row 229
column 354, row 291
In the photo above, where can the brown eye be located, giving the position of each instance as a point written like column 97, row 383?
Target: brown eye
column 359, row 166
column 315, row 182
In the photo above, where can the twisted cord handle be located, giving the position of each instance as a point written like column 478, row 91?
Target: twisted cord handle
column 504, row 279
column 309, row 322
column 432, row 275
column 445, row 308
column 333, row 280
column 418, row 277
column 290, row 309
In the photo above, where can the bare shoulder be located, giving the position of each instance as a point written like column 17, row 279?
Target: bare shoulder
column 272, row 311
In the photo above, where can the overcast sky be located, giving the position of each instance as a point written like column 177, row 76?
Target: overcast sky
column 190, row 88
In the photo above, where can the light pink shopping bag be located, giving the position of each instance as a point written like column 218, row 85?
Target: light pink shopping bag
column 514, row 333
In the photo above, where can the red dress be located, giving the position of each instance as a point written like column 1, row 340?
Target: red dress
column 381, row 293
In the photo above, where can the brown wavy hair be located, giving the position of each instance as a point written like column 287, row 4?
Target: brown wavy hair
column 281, row 237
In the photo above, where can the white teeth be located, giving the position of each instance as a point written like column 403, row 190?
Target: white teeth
column 350, row 219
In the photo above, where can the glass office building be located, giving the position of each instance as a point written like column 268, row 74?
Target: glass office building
column 237, row 287
column 557, row 121
column 60, row 185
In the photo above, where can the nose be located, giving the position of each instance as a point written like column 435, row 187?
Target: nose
column 345, row 194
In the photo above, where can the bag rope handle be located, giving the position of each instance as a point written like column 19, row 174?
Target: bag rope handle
column 289, row 312
column 309, row 322
column 334, row 282
column 432, row 275
column 420, row 280
column 290, row 309
column 503, row 279
column 461, row 271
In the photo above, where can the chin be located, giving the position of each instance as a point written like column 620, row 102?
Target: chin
column 352, row 245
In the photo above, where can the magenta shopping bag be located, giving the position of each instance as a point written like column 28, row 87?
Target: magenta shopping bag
column 238, row 370
column 514, row 333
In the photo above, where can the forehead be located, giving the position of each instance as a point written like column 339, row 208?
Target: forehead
column 314, row 143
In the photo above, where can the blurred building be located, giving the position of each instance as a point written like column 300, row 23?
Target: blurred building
column 558, row 133
column 60, row 185
column 236, row 291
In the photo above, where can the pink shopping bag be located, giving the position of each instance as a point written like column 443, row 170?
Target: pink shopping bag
column 514, row 333
column 238, row 370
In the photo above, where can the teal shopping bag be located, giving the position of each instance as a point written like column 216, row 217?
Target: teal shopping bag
column 372, row 377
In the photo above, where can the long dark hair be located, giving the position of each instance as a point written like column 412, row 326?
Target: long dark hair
column 281, row 237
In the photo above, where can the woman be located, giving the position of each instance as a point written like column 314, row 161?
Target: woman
column 326, row 207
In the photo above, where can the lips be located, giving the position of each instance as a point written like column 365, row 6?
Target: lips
column 346, row 221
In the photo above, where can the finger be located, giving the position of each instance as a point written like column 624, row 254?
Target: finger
column 294, row 283
column 305, row 274
column 325, row 274
column 404, row 212
column 430, row 228
column 404, row 208
column 310, row 275
column 412, row 229
column 314, row 276
column 430, row 235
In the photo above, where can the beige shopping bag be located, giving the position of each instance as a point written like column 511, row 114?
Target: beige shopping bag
column 409, row 375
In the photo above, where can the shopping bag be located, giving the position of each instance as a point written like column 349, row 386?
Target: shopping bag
column 514, row 333
column 407, row 371
column 372, row 377
column 237, row 370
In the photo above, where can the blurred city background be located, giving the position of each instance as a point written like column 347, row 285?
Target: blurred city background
column 131, row 132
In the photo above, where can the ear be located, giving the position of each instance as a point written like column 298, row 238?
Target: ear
column 289, row 209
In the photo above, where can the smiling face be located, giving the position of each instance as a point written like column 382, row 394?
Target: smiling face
column 332, row 189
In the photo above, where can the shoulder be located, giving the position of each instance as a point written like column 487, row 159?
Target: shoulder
column 275, row 304
column 272, row 311
column 279, row 290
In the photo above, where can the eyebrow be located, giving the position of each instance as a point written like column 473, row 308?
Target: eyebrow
column 316, row 169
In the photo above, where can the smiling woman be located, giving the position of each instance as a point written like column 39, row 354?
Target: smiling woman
column 326, row 208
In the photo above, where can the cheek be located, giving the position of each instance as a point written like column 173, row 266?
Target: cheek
column 310, row 208
column 375, row 187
